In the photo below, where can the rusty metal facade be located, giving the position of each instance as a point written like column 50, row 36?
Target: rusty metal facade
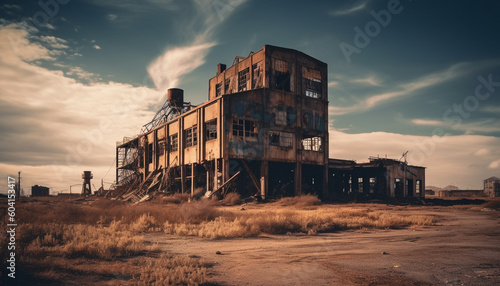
column 269, row 108
column 263, row 131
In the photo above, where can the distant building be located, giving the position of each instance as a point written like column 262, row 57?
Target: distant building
column 39, row 191
column 459, row 193
column 492, row 187
column 430, row 192
column 380, row 178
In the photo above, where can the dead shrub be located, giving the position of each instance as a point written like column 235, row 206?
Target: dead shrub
column 230, row 199
column 75, row 241
column 176, row 198
column 300, row 201
column 198, row 193
column 274, row 223
column 172, row 270
column 218, row 228
column 493, row 204
column 256, row 222
column 199, row 211
column 145, row 223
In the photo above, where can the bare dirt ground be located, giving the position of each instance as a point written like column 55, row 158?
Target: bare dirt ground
column 463, row 248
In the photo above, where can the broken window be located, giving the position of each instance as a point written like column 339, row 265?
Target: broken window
column 257, row 75
column 274, row 138
column 312, row 144
column 398, row 188
column 242, row 79
column 161, row 147
column 150, row 153
column 191, row 136
column 372, row 185
column 281, row 72
column 282, row 139
column 227, row 85
column 311, row 80
column 418, row 187
column 244, row 128
column 173, row 142
column 238, row 126
column 218, row 89
column 211, row 130
column 281, row 118
column 250, row 128
column 360, row 185
column 286, row 139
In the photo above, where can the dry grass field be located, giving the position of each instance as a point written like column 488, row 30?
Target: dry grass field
column 95, row 241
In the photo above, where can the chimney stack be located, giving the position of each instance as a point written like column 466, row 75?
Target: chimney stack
column 220, row 68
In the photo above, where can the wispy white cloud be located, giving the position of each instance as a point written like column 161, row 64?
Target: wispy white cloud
column 54, row 42
column 488, row 125
column 50, row 26
column 494, row 165
column 97, row 47
column 492, row 109
column 370, row 80
column 138, row 6
column 12, row 7
column 14, row 44
column 168, row 69
column 350, row 10
column 428, row 122
column 482, row 152
column 332, row 83
column 408, row 89
column 82, row 74
column 111, row 17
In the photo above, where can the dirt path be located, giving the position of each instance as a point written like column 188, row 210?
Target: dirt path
column 463, row 249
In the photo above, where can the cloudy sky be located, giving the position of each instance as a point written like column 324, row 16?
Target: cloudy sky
column 418, row 76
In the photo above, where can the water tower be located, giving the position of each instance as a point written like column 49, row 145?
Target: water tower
column 86, row 189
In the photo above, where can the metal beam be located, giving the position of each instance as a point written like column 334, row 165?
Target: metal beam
column 254, row 179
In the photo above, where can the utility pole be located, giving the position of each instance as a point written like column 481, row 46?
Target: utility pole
column 18, row 189
column 405, row 163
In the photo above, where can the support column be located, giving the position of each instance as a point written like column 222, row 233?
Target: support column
column 216, row 174
column 207, row 167
column 117, row 165
column 225, row 170
column 193, row 178
column 183, row 179
column 325, row 182
column 298, row 179
column 264, row 179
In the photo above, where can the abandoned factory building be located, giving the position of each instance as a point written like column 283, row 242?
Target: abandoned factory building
column 263, row 131
column 492, row 187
